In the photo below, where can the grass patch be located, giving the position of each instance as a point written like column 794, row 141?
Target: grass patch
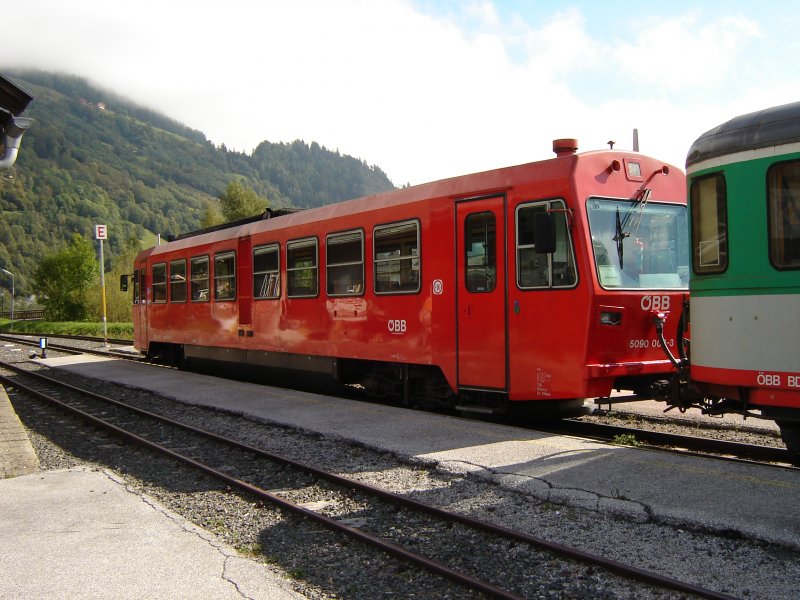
column 626, row 439
column 115, row 330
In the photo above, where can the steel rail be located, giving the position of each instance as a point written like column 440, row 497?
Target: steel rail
column 72, row 349
column 388, row 547
column 660, row 440
column 85, row 338
column 630, row 571
column 707, row 446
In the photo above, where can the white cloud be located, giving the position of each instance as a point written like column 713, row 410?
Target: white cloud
column 684, row 52
column 423, row 97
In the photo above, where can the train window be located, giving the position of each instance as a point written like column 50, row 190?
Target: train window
column 266, row 271
column 535, row 270
column 784, row 215
column 345, row 263
column 198, row 276
column 177, row 281
column 136, row 286
column 225, row 276
column 639, row 244
column 160, row 283
column 301, row 268
column 709, row 204
column 396, row 258
column 481, row 252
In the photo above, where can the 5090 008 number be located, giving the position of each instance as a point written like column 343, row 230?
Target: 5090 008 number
column 650, row 343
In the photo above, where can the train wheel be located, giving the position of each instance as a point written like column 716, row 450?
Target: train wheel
column 790, row 432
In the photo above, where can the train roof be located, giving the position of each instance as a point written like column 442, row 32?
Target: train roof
column 13, row 98
column 475, row 184
column 761, row 129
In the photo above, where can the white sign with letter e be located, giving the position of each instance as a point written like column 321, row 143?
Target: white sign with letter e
column 100, row 232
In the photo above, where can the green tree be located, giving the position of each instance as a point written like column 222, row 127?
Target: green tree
column 240, row 201
column 118, row 303
column 62, row 280
column 210, row 216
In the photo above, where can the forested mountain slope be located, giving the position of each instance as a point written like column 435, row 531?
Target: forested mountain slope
column 92, row 157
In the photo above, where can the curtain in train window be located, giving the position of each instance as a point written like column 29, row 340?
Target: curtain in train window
column 301, row 269
column 480, row 247
column 160, row 283
column 266, row 272
column 225, row 276
column 177, row 281
column 199, row 279
column 709, row 225
column 784, row 215
column 397, row 258
column 345, row 260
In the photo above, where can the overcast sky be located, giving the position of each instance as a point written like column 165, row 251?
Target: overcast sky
column 425, row 89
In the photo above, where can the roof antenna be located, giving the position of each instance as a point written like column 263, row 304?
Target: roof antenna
column 635, row 140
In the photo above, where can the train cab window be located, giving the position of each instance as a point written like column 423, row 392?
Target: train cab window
column 177, row 281
column 301, row 268
column 136, row 286
column 480, row 246
column 199, row 278
column 709, row 202
column 784, row 215
column 396, row 258
column 535, row 270
column 267, row 271
column 225, row 276
column 160, row 283
column 345, row 263
column 638, row 243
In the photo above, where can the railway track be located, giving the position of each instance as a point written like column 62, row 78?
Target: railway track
column 646, row 434
column 33, row 341
column 255, row 472
column 701, row 445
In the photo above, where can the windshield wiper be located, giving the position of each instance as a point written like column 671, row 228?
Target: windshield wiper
column 621, row 232
column 619, row 237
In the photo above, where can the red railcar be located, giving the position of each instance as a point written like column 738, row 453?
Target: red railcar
column 536, row 282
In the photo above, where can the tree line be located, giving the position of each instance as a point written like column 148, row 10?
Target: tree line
column 92, row 157
column 67, row 281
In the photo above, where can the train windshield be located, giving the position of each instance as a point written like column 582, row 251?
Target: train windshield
column 639, row 244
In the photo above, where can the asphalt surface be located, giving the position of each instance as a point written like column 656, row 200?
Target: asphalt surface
column 82, row 533
column 757, row 501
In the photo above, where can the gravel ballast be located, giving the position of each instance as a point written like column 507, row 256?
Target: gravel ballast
column 324, row 565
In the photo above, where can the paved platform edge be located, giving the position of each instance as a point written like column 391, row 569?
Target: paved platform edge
column 17, row 456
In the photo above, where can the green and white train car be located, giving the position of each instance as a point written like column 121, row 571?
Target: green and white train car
column 744, row 203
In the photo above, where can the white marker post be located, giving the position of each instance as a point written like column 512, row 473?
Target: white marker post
column 101, row 233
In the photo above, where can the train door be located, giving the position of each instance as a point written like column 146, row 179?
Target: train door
column 140, row 305
column 244, row 268
column 481, row 310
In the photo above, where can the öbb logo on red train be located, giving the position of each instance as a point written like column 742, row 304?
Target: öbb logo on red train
column 397, row 326
column 655, row 303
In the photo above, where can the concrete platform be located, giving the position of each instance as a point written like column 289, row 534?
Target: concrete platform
column 757, row 501
column 82, row 534
column 16, row 453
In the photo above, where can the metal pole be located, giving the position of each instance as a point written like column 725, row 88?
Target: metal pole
column 103, row 285
column 9, row 273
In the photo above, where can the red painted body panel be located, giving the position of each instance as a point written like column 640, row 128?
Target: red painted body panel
column 763, row 388
column 534, row 344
